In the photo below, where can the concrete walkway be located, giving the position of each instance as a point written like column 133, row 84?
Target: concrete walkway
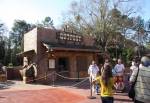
column 17, row 92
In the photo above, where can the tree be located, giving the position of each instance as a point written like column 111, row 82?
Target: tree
column 2, row 49
column 140, row 35
column 102, row 19
column 139, row 30
column 47, row 23
column 8, row 51
column 2, row 42
column 19, row 28
column 147, row 29
column 148, row 45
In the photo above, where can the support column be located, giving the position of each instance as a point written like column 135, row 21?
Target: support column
column 73, row 67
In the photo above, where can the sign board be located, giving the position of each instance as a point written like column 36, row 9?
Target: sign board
column 69, row 37
column 51, row 63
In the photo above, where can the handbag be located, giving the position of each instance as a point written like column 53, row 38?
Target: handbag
column 131, row 93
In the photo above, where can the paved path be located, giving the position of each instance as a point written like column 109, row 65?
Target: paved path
column 17, row 92
column 119, row 97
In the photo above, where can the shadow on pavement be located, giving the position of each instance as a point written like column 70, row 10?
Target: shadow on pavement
column 121, row 94
column 123, row 100
column 1, row 97
column 6, row 85
column 73, row 84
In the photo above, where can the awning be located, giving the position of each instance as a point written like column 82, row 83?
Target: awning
column 81, row 48
column 25, row 53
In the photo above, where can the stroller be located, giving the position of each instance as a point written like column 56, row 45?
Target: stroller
column 119, row 84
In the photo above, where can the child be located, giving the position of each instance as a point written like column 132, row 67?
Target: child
column 106, row 83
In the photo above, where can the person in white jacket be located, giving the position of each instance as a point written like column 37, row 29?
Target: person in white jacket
column 93, row 71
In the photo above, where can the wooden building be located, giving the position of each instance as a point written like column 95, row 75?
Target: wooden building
column 59, row 50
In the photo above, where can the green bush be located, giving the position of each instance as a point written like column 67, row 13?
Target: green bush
column 10, row 65
column 127, row 55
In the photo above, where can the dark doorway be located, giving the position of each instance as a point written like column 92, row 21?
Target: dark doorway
column 63, row 64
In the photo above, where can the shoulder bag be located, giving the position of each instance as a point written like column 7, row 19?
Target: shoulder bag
column 131, row 92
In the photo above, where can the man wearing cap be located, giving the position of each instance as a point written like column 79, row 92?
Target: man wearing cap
column 142, row 85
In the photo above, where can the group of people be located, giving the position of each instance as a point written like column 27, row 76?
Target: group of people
column 108, row 78
column 103, row 78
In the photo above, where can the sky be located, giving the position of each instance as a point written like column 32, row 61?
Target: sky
column 146, row 9
column 36, row 10
column 32, row 10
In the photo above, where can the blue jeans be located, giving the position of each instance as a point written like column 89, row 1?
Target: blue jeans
column 97, row 88
column 107, row 99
